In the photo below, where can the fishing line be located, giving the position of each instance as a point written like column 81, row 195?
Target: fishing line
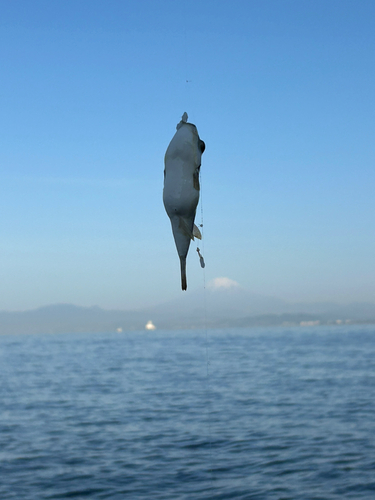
column 188, row 98
column 186, row 71
column 208, row 363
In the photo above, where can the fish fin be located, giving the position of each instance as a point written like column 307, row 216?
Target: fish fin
column 183, row 273
column 184, row 119
column 196, row 179
column 196, row 232
column 183, row 225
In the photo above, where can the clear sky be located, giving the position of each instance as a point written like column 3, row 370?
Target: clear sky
column 282, row 93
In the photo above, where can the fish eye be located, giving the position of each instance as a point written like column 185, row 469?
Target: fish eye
column 202, row 145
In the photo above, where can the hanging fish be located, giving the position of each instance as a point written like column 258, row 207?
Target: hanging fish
column 181, row 187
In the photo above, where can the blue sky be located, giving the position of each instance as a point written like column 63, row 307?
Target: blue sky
column 282, row 93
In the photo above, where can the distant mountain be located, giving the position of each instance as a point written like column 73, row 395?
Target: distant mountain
column 225, row 302
column 354, row 310
column 222, row 304
column 65, row 318
column 218, row 302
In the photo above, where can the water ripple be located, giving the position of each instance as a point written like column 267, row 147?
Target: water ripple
column 285, row 414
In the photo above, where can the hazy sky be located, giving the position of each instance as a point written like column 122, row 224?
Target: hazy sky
column 282, row 93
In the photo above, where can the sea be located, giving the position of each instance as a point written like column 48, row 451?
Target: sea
column 260, row 413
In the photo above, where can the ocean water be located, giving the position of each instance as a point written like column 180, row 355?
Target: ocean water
column 272, row 413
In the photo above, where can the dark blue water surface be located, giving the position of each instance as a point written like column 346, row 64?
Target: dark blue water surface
column 283, row 414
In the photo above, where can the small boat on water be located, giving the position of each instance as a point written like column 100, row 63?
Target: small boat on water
column 150, row 325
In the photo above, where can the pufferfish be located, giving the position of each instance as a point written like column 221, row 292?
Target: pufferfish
column 181, row 187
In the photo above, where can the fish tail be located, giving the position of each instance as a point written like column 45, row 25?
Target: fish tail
column 183, row 273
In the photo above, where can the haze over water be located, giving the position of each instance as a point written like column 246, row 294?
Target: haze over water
column 283, row 414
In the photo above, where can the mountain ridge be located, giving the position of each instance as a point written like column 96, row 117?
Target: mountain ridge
column 218, row 307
